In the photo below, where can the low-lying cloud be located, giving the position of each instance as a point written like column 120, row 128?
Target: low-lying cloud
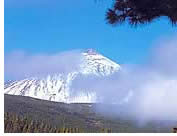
column 143, row 92
column 19, row 64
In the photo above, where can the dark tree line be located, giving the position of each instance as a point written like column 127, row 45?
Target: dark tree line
column 16, row 124
column 141, row 11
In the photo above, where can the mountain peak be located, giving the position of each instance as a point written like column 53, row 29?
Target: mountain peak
column 58, row 89
column 90, row 51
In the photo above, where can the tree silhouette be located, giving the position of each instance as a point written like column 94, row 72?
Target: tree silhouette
column 17, row 124
column 141, row 11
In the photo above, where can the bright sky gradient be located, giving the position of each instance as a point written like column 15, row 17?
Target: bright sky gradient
column 50, row 26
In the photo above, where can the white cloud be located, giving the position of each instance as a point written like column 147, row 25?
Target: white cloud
column 144, row 92
column 19, row 64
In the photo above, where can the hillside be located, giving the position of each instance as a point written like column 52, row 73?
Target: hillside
column 74, row 115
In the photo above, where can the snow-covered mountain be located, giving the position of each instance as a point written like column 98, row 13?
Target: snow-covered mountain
column 57, row 87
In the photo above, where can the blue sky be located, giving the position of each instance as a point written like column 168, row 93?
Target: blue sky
column 44, row 26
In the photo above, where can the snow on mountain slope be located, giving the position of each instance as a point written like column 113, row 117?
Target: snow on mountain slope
column 97, row 64
column 57, row 87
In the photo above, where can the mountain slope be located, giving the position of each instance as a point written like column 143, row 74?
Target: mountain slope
column 57, row 87
column 82, row 116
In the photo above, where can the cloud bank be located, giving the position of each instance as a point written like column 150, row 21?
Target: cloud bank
column 19, row 64
column 143, row 92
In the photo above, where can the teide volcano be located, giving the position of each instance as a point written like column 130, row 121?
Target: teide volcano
column 57, row 87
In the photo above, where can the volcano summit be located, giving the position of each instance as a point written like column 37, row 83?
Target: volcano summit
column 57, row 87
